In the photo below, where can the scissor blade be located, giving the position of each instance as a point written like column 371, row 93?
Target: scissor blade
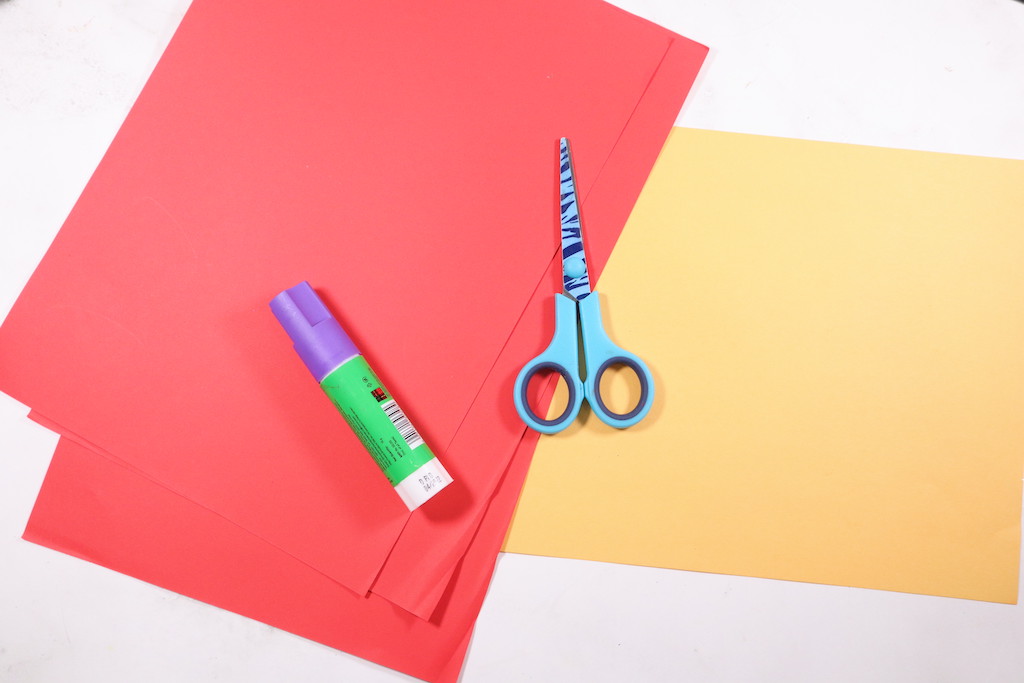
column 575, row 280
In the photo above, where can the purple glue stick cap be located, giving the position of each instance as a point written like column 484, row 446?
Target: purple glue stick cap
column 318, row 338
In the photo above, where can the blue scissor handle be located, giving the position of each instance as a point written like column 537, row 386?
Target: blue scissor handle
column 561, row 356
column 599, row 354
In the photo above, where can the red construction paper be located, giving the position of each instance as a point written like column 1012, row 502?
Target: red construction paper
column 94, row 508
column 397, row 155
column 490, row 419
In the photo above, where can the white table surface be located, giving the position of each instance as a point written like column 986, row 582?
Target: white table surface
column 937, row 75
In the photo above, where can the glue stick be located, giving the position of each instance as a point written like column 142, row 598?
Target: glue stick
column 368, row 407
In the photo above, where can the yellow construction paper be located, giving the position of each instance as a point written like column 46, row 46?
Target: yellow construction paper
column 837, row 338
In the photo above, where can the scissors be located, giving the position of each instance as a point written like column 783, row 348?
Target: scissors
column 578, row 316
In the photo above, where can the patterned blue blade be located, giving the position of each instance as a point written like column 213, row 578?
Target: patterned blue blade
column 575, row 280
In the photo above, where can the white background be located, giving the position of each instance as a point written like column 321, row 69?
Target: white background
column 934, row 75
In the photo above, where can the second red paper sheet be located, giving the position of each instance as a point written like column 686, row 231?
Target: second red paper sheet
column 398, row 157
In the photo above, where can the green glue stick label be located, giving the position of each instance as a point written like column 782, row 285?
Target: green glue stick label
column 385, row 431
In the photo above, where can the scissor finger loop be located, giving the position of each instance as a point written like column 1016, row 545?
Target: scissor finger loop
column 548, row 426
column 643, row 404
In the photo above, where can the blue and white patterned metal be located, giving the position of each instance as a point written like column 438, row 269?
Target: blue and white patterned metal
column 575, row 279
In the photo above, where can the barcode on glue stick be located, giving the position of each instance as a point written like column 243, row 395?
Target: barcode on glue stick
column 402, row 424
